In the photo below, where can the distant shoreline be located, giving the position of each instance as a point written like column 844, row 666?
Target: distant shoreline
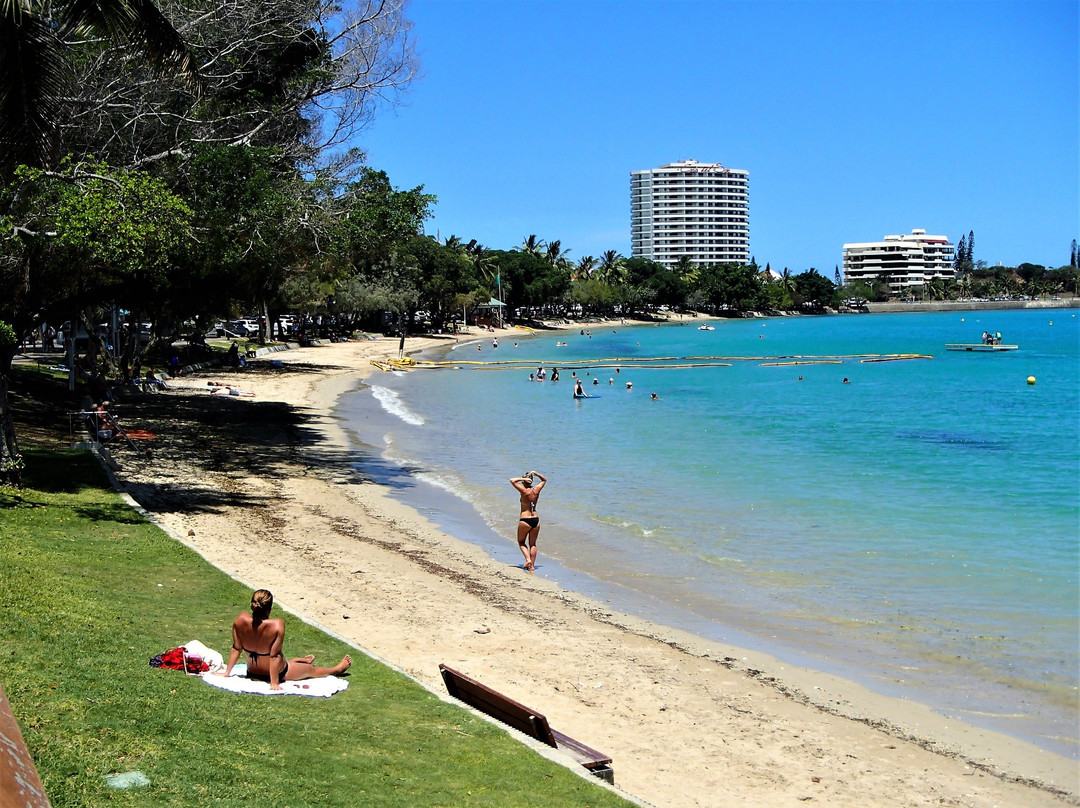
column 965, row 305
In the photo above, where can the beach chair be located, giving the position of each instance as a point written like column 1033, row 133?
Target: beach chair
column 102, row 426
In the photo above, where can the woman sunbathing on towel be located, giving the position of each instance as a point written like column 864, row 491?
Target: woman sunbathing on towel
column 260, row 638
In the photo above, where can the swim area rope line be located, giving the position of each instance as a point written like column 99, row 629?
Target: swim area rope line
column 656, row 362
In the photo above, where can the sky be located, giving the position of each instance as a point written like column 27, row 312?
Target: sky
column 855, row 119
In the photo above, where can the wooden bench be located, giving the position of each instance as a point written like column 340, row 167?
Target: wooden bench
column 521, row 718
column 20, row 786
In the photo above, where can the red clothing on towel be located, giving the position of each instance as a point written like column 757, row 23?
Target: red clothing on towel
column 179, row 660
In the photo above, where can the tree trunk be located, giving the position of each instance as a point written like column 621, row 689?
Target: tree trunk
column 11, row 460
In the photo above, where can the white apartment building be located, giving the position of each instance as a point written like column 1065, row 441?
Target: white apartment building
column 700, row 210
column 905, row 263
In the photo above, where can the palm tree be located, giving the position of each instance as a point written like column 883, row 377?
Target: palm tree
column 35, row 43
column 482, row 260
column 611, row 267
column 557, row 256
column 686, row 269
column 787, row 281
column 532, row 245
column 584, row 269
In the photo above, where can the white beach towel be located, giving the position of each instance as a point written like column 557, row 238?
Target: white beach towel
column 323, row 687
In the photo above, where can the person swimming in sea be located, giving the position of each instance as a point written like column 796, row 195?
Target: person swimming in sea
column 528, row 528
column 579, row 391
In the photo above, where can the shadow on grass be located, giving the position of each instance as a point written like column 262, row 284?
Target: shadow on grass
column 64, row 471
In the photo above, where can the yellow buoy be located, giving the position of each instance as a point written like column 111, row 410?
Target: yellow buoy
column 1031, row 380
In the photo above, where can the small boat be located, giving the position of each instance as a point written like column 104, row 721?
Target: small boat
column 979, row 347
column 706, row 328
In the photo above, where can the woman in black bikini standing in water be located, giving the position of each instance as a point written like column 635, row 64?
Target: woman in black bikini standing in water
column 528, row 527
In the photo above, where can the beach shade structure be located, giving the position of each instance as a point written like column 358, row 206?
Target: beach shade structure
column 493, row 308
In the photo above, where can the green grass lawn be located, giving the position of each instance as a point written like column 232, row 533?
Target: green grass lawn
column 89, row 591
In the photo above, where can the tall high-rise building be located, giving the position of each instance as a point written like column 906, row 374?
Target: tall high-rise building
column 700, row 210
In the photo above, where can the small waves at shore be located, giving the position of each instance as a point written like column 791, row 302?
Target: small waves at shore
column 392, row 403
column 915, row 528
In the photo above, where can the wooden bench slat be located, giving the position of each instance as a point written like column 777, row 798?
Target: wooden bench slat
column 497, row 705
column 20, row 786
column 523, row 719
column 583, row 753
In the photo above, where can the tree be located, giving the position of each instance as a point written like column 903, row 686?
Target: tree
column 730, row 286
column 685, row 269
column 961, row 254
column 611, row 267
column 484, row 263
column 10, row 459
column 252, row 229
column 815, row 290
column 787, row 283
column 584, row 268
column 446, row 275
column 39, row 40
column 532, row 246
column 661, row 284
column 557, row 256
column 304, row 77
column 376, row 218
column 1073, row 262
column 86, row 237
column 971, row 247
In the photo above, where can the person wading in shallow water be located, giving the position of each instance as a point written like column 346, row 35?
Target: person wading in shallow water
column 528, row 527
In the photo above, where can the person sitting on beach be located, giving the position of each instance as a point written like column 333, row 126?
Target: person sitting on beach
column 153, row 380
column 528, row 522
column 261, row 639
column 100, row 423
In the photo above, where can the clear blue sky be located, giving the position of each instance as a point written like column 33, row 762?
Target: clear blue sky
column 855, row 119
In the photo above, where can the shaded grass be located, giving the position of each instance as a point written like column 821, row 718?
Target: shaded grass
column 89, row 591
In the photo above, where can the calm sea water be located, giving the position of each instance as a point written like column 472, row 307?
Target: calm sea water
column 916, row 528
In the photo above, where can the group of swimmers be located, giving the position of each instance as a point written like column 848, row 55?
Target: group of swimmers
column 579, row 391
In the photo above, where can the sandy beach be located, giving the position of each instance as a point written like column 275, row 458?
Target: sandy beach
column 262, row 488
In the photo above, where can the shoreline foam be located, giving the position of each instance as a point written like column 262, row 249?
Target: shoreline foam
column 666, row 704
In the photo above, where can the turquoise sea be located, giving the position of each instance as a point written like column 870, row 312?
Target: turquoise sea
column 916, row 529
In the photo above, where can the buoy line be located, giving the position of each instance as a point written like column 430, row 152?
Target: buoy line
column 683, row 362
